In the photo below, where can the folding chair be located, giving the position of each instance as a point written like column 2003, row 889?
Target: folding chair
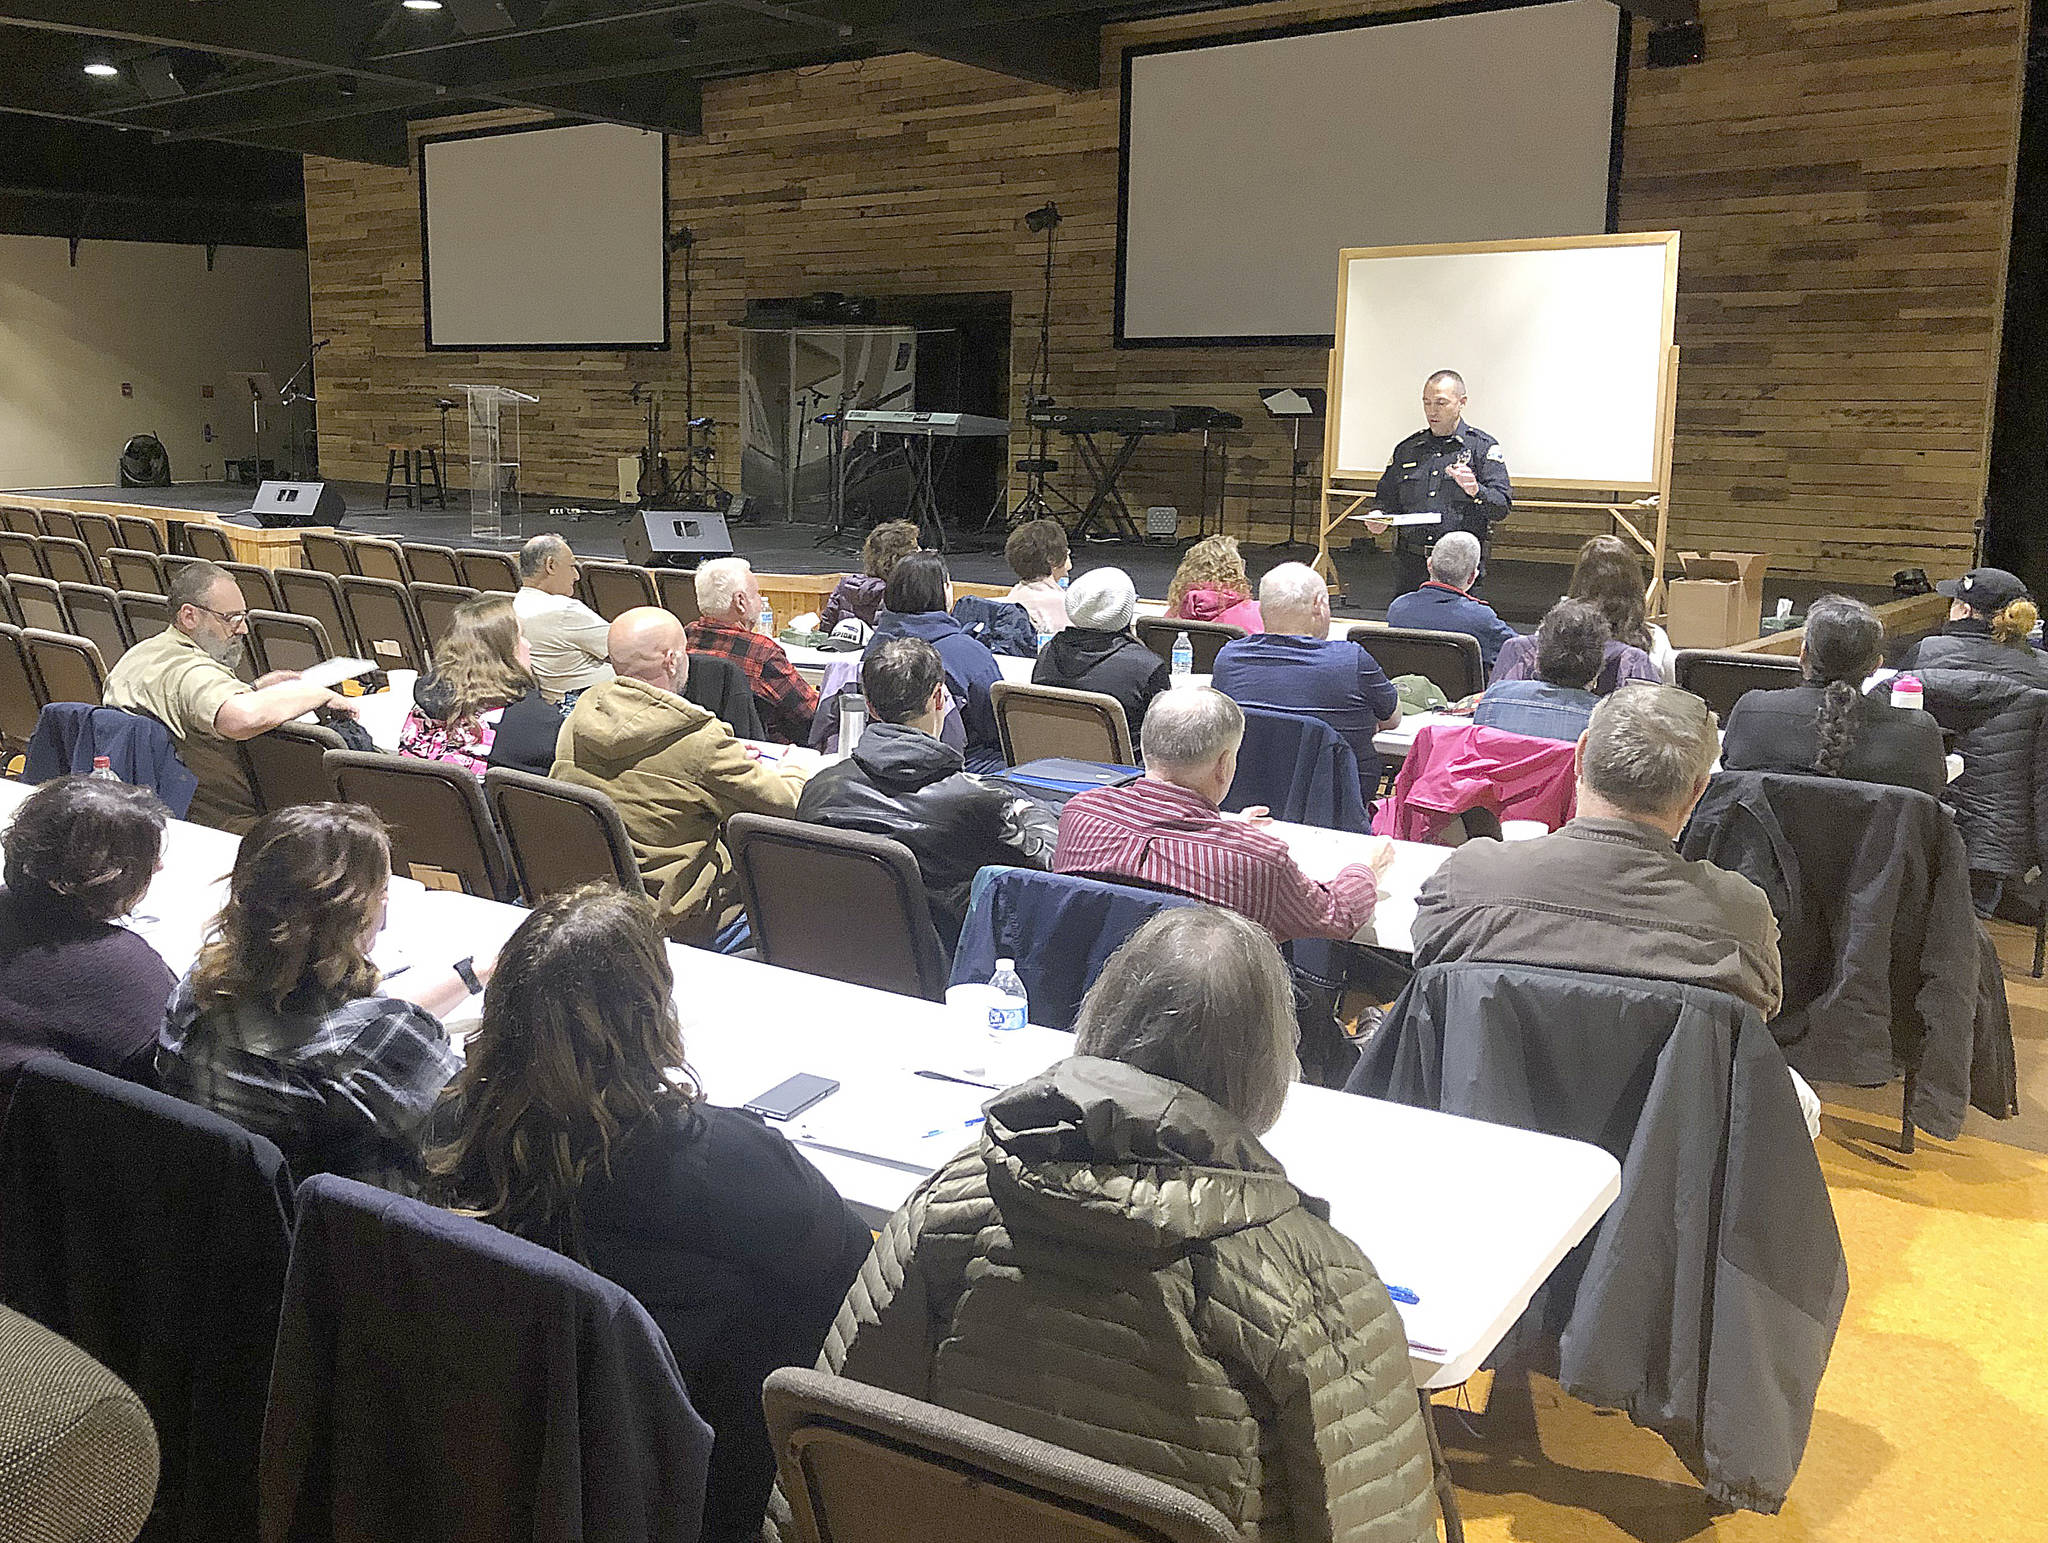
column 100, row 533
column 435, row 605
column 21, row 691
column 429, row 564
column 678, row 591
column 489, row 570
column 325, row 552
column 1206, row 637
column 141, row 572
column 140, row 533
column 61, row 523
column 802, row 882
column 441, row 833
column 1451, row 660
column 308, row 592
column 258, row 586
column 559, row 835
column 39, row 603
column 143, row 615
column 380, row 614
column 20, row 554
column 1721, row 677
column 610, row 589
column 285, row 766
column 1039, row 722
column 8, row 613
column 69, row 666
column 20, row 519
column 94, row 613
column 281, row 641
column 376, row 557
column 208, row 543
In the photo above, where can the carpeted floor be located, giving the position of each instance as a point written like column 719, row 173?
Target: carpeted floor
column 1932, row 1421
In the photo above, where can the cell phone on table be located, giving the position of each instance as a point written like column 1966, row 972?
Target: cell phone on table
column 788, row 1099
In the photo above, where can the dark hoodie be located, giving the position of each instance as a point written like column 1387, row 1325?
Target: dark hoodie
column 902, row 783
column 526, row 731
column 1122, row 1269
column 1113, row 663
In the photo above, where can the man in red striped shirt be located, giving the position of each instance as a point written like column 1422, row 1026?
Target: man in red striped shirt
column 1167, row 829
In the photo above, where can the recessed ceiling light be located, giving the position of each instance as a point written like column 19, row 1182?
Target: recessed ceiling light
column 421, row 5
column 99, row 69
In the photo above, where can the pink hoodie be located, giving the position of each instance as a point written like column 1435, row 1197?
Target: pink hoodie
column 1224, row 605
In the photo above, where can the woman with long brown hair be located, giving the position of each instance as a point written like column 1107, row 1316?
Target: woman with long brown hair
column 1606, row 575
column 576, row 1124
column 479, row 704
column 1212, row 584
column 285, row 1025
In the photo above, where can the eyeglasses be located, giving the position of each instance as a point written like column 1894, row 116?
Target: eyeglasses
column 234, row 619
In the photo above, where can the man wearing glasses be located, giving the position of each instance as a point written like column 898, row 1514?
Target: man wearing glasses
column 184, row 677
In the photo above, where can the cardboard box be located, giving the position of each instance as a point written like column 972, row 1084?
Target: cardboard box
column 1719, row 601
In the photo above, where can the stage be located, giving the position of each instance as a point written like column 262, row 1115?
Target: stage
column 1520, row 591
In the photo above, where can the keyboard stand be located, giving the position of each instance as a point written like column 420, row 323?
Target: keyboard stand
column 1108, row 498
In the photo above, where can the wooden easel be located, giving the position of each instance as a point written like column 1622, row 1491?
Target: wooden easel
column 1345, row 494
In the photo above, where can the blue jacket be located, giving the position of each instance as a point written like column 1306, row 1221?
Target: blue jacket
column 1440, row 608
column 1299, row 768
column 1332, row 679
column 970, row 671
column 139, row 749
column 1002, row 626
column 1536, row 708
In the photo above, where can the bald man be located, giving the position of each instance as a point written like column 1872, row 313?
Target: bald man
column 675, row 772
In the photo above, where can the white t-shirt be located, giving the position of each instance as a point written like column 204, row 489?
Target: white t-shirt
column 568, row 640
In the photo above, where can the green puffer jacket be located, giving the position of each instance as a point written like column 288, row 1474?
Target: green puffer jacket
column 1122, row 1269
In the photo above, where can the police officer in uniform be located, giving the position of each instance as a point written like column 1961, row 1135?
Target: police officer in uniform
column 1451, row 469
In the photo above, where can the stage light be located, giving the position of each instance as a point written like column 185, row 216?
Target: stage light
column 1043, row 219
column 421, row 5
column 100, row 69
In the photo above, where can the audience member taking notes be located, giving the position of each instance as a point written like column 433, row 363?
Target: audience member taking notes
column 1828, row 726
column 1609, row 891
column 1444, row 602
column 728, row 626
column 81, row 853
column 901, row 781
column 576, row 1125
column 1295, row 666
column 479, row 706
column 566, row 637
column 285, row 1026
column 1558, row 701
column 184, row 677
column 1100, row 651
column 675, row 772
column 1167, row 830
column 1119, row 1266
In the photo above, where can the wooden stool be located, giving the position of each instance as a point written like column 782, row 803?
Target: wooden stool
column 398, row 476
column 429, row 480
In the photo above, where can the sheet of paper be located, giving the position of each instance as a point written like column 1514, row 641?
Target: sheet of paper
column 908, row 1121
column 334, row 671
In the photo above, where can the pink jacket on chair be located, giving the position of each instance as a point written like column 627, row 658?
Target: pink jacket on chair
column 1452, row 769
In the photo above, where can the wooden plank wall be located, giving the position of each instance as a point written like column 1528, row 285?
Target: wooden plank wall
column 1841, row 170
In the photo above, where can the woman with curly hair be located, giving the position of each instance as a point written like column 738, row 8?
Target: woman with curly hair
column 577, row 1125
column 1211, row 584
column 286, row 1027
column 860, row 594
column 1607, row 575
column 479, row 705
column 1828, row 725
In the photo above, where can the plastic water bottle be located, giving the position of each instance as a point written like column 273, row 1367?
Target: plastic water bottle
column 1014, row 1011
column 853, row 720
column 1043, row 639
column 767, row 620
column 102, row 770
column 1907, row 692
column 1183, row 656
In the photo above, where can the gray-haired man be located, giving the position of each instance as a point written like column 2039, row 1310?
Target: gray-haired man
column 567, row 638
column 1609, row 891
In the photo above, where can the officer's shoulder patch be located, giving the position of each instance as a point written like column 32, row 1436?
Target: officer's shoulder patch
column 1496, row 454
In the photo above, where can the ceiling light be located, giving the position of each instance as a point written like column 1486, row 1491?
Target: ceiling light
column 99, row 69
column 421, row 5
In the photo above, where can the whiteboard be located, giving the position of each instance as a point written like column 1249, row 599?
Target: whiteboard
column 1248, row 161
column 1563, row 345
column 545, row 238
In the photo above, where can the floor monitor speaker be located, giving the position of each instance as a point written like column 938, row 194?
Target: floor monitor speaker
column 678, row 538
column 298, row 503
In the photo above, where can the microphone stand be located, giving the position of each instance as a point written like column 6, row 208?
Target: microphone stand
column 290, row 396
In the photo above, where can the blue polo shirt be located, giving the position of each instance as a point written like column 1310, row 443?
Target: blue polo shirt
column 1441, row 608
column 1334, row 679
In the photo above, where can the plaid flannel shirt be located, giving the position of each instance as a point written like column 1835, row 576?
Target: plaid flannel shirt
column 1160, row 834
column 787, row 701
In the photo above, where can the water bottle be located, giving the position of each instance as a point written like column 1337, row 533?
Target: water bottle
column 767, row 620
column 1014, row 1011
column 1043, row 639
column 103, row 770
column 1906, row 692
column 1183, row 656
column 853, row 720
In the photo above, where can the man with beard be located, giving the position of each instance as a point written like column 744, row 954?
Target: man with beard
column 184, row 677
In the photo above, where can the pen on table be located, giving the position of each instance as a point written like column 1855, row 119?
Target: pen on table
column 965, row 1082
column 1435, row 1350
column 964, row 1125
column 1402, row 1295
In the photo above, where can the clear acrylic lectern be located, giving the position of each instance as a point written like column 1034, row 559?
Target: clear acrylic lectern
column 493, row 455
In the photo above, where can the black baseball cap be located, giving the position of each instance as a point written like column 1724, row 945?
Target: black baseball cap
column 1985, row 589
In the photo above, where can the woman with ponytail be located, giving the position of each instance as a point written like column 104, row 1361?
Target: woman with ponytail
column 1827, row 726
column 1988, row 629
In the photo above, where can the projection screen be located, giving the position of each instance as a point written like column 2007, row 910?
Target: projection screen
column 1250, row 163
column 545, row 238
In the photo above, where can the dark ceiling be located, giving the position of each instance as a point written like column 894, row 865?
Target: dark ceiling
column 200, row 88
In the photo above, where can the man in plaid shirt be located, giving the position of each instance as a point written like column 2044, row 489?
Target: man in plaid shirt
column 1167, row 829
column 729, row 606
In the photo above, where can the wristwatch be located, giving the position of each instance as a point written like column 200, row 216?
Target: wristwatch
column 466, row 968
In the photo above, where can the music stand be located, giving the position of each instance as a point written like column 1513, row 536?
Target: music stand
column 1294, row 405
